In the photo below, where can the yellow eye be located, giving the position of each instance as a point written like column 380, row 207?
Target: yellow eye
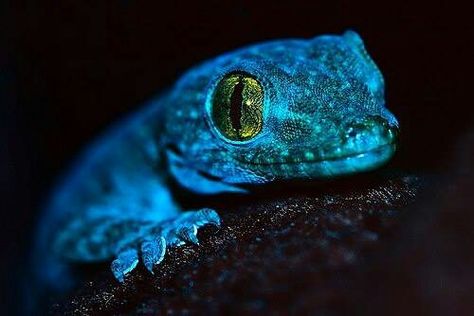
column 237, row 106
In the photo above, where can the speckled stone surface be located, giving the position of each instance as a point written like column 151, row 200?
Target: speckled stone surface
column 295, row 250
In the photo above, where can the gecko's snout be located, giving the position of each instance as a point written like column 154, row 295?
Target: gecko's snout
column 370, row 134
column 365, row 144
column 361, row 145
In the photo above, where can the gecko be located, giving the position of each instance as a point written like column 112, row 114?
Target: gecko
column 294, row 109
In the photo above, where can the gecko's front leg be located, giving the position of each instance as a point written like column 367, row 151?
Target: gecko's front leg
column 152, row 241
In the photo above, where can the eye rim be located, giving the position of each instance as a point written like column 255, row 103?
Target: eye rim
column 209, row 104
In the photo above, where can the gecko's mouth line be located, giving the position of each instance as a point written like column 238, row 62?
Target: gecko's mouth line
column 295, row 161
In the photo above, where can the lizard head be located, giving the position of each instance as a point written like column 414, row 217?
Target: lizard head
column 290, row 109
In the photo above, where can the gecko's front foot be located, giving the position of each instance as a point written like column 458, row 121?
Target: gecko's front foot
column 152, row 247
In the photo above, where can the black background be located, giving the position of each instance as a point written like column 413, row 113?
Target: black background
column 70, row 68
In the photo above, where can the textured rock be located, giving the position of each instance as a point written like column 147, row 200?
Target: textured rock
column 298, row 251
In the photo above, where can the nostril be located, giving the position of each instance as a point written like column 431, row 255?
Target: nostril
column 351, row 132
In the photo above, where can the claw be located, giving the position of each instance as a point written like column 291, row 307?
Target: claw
column 126, row 261
column 175, row 232
column 207, row 216
column 153, row 252
column 186, row 226
column 189, row 234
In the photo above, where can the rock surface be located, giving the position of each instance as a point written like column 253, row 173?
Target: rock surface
column 300, row 251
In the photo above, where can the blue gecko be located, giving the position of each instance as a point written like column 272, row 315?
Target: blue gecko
column 275, row 111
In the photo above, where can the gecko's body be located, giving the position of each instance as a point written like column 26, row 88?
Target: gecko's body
column 290, row 109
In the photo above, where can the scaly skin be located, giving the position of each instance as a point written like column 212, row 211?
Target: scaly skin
column 290, row 109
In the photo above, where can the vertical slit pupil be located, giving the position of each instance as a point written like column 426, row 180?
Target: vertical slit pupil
column 236, row 100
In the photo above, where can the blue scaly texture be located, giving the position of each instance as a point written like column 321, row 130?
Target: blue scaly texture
column 282, row 110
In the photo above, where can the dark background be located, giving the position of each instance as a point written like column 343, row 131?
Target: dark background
column 70, row 68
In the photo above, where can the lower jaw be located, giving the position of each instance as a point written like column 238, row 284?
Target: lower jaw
column 333, row 168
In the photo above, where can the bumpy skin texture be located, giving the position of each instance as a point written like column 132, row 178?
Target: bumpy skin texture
column 323, row 116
